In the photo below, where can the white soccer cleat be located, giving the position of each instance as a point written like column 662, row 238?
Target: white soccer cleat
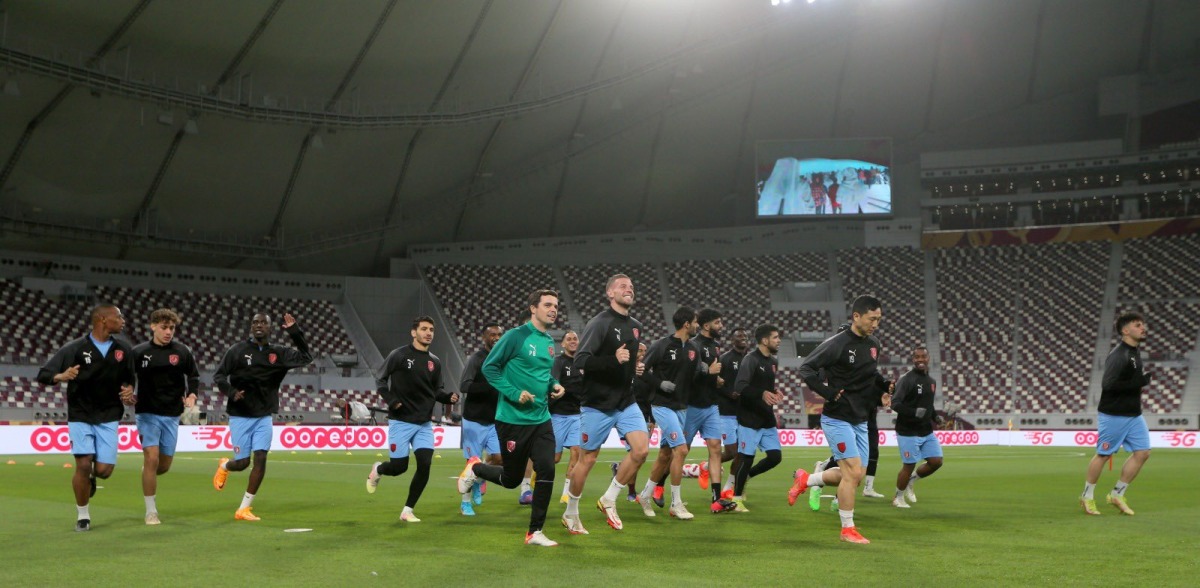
column 871, row 493
column 466, row 479
column 373, row 478
column 898, row 502
column 540, row 539
column 909, row 495
column 574, row 525
column 680, row 512
column 610, row 514
column 409, row 517
column 152, row 518
column 647, row 504
column 818, row 467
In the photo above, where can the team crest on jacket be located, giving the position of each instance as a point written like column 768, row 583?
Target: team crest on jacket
column 874, row 353
column 550, row 348
column 585, row 437
column 174, row 359
column 271, row 357
column 636, row 334
column 511, row 445
column 674, row 435
column 691, row 355
column 429, row 364
column 120, row 355
column 841, row 447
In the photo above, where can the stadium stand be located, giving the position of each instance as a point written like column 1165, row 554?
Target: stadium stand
column 742, row 282
column 474, row 295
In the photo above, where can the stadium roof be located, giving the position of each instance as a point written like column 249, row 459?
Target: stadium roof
column 327, row 136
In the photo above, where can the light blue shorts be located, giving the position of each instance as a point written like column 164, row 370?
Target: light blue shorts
column 158, row 431
column 751, row 440
column 914, row 449
column 1115, row 431
column 477, row 438
column 596, row 424
column 846, row 440
column 729, row 430
column 566, row 430
column 402, row 434
column 706, row 421
column 249, row 435
column 670, row 424
column 97, row 440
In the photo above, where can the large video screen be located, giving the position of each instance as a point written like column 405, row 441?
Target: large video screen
column 827, row 178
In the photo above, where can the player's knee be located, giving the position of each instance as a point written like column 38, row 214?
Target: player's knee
column 152, row 463
column 774, row 456
column 163, row 467
column 1142, row 455
column 934, row 463
column 638, row 454
column 544, row 471
column 424, row 458
column 103, row 470
column 394, row 466
column 680, row 451
column 260, row 460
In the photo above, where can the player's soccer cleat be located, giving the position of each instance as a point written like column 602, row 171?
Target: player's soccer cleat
column 477, row 490
column 574, row 525
column 680, row 512
column 631, row 497
column 466, row 478
column 851, row 535
column 818, row 467
column 526, row 498
column 739, row 505
column 221, row 475
column 898, row 502
column 1119, row 502
column 909, row 494
column 871, row 493
column 658, row 496
column 704, row 476
column 408, row 517
column 799, row 486
column 152, row 518
column 466, row 509
column 1089, row 506
column 721, row 506
column 610, row 514
column 814, row 498
column 727, row 494
column 615, row 466
column 540, row 539
column 83, row 525
column 645, row 502
column 244, row 514
column 92, row 484
column 373, row 478
column 833, row 505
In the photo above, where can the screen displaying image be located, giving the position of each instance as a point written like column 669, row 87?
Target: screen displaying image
column 824, row 178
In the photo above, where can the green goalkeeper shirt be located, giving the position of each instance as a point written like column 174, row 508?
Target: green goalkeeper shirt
column 521, row 361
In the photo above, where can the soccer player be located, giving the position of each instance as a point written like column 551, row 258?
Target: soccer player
column 913, row 404
column 564, row 411
column 519, row 368
column 849, row 361
column 670, row 367
column 249, row 376
column 703, row 415
column 98, row 371
column 479, row 415
column 757, row 396
column 727, row 403
column 168, row 380
column 410, row 383
column 1121, row 420
column 606, row 360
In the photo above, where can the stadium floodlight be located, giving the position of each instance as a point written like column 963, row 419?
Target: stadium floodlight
column 774, row 2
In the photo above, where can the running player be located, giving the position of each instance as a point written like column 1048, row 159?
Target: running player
column 727, row 404
column 703, row 416
column 757, row 397
column 519, row 368
column 564, row 411
column 167, row 382
column 98, row 371
column 606, row 360
column 670, row 369
column 410, row 384
column 849, row 361
column 913, row 404
column 479, row 414
column 1121, row 420
column 249, row 376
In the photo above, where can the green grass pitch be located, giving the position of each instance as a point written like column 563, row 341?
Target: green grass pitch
column 992, row 516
